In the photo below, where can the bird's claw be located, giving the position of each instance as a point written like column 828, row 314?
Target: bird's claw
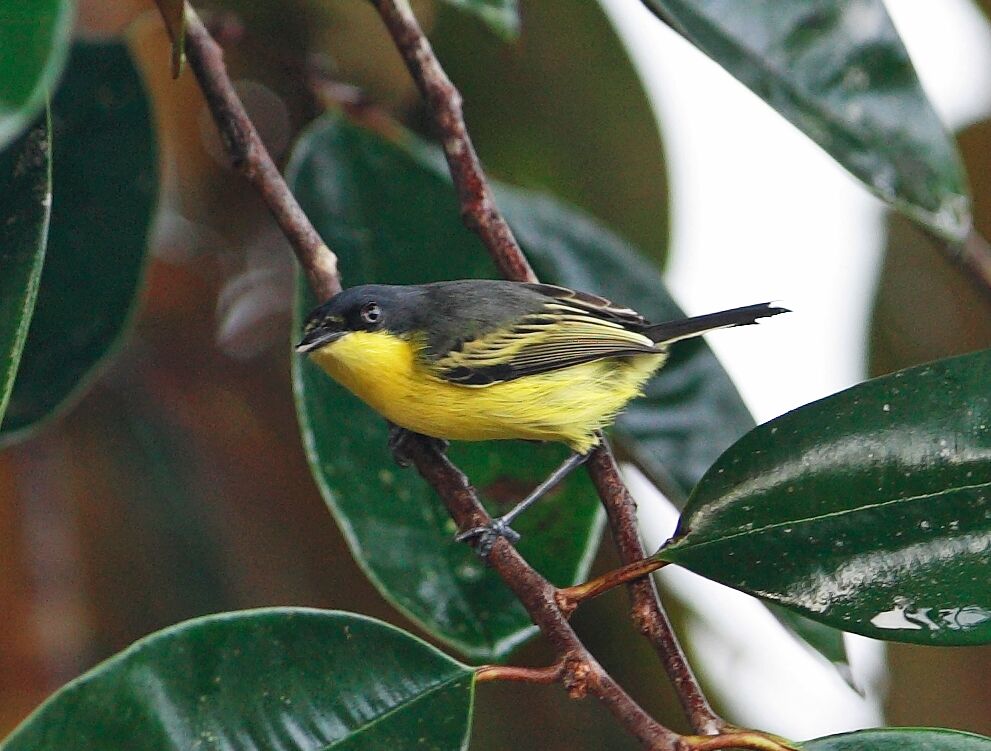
column 398, row 438
column 485, row 536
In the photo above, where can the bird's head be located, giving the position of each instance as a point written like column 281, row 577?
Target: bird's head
column 369, row 307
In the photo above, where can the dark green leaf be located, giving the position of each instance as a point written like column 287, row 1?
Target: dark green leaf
column 25, row 206
column 286, row 679
column 174, row 16
column 104, row 182
column 502, row 16
column 840, row 73
column 392, row 218
column 34, row 41
column 546, row 124
column 869, row 510
column 901, row 739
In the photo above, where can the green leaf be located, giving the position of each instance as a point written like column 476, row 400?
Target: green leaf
column 591, row 140
column 34, row 42
column 262, row 680
column 105, row 184
column 839, row 73
column 901, row 739
column 502, row 16
column 25, row 207
column 869, row 510
column 392, row 218
column 174, row 16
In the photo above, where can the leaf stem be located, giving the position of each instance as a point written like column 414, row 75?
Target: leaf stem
column 550, row 674
column 570, row 597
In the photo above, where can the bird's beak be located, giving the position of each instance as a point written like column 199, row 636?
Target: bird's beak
column 318, row 338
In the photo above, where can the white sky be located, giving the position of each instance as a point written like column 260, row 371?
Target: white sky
column 761, row 213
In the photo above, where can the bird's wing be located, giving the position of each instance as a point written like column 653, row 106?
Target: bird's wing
column 556, row 336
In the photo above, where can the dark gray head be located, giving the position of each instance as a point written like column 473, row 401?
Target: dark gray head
column 368, row 307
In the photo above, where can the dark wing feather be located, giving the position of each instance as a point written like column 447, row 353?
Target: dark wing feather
column 558, row 335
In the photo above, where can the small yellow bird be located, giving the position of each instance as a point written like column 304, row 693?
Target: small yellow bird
column 478, row 360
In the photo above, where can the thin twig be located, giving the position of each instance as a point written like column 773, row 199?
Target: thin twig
column 481, row 214
column 478, row 209
column 648, row 614
column 252, row 160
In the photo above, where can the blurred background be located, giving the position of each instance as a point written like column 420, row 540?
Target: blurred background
column 176, row 486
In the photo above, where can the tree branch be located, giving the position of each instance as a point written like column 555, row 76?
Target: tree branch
column 250, row 157
column 577, row 669
column 582, row 675
column 481, row 215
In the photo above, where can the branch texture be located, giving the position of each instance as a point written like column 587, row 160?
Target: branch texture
column 250, row 157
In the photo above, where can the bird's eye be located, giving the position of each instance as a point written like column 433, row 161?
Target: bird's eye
column 371, row 313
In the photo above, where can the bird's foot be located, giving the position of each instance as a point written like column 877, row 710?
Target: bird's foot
column 399, row 446
column 484, row 537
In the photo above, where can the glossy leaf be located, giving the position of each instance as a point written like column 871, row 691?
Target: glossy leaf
column 104, row 181
column 900, row 739
column 174, row 16
column 394, row 219
column 278, row 679
column 840, row 73
column 869, row 510
column 34, row 43
column 25, row 207
column 591, row 140
column 502, row 16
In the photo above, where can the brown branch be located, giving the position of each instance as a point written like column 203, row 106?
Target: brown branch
column 577, row 670
column 478, row 209
column 581, row 673
column 648, row 614
column 974, row 255
column 250, row 157
column 481, row 214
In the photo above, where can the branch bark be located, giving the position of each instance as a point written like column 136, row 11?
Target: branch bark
column 250, row 157
column 577, row 669
column 480, row 214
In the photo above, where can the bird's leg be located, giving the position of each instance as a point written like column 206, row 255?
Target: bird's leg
column 397, row 444
column 500, row 526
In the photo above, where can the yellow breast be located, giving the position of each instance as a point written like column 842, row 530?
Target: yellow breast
column 566, row 405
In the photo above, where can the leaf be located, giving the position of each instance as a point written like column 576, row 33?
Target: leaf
column 839, row 73
column 34, row 42
column 104, row 182
column 532, row 120
column 393, row 219
column 174, row 16
column 869, row 510
column 901, row 739
column 501, row 16
column 261, row 680
column 25, row 207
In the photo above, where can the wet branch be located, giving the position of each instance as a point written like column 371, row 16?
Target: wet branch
column 576, row 669
column 480, row 214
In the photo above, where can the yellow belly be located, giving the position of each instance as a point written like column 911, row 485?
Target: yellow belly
column 566, row 405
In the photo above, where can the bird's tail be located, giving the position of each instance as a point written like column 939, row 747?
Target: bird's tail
column 672, row 331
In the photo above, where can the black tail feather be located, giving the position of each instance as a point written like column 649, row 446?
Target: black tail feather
column 672, row 331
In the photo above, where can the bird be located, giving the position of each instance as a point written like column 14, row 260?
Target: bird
column 480, row 359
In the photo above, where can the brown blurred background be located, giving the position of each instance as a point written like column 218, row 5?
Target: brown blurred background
column 177, row 485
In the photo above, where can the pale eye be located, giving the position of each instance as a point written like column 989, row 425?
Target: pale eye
column 371, row 313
